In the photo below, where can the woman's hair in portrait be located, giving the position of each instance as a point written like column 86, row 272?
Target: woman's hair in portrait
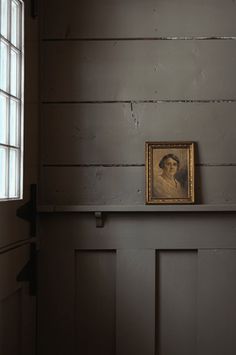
column 172, row 156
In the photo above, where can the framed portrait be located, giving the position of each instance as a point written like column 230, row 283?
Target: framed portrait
column 169, row 172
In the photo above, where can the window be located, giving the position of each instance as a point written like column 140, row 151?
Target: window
column 11, row 98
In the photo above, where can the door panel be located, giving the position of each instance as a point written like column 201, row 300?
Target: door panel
column 17, row 306
column 129, row 300
column 135, row 302
column 95, row 286
column 217, row 302
column 176, row 299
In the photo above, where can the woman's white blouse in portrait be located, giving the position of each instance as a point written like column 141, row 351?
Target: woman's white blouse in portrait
column 166, row 185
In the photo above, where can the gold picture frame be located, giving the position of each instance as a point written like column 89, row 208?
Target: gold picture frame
column 170, row 172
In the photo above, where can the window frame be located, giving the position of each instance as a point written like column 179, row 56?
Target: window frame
column 14, row 45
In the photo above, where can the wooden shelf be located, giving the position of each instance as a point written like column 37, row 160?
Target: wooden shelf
column 136, row 208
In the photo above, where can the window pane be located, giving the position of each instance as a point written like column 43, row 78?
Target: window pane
column 3, row 170
column 14, row 123
column 3, row 66
column 15, row 28
column 3, row 119
column 14, row 73
column 4, row 17
column 13, row 173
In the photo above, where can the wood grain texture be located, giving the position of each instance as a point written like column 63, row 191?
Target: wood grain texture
column 116, row 133
column 11, row 264
column 17, row 306
column 136, row 18
column 217, row 306
column 141, row 231
column 56, row 291
column 95, row 296
column 10, row 324
column 137, row 70
column 177, row 302
column 12, row 232
column 135, row 302
column 126, row 185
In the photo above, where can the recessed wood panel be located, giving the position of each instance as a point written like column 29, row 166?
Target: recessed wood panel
column 126, row 185
column 217, row 302
column 176, row 303
column 95, row 302
column 138, row 70
column 116, row 133
column 135, row 302
column 136, row 18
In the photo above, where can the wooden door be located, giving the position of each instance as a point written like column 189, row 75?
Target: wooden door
column 17, row 305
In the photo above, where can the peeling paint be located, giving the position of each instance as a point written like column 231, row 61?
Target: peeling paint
column 135, row 119
column 98, row 175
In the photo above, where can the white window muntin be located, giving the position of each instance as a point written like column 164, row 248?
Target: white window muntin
column 11, row 98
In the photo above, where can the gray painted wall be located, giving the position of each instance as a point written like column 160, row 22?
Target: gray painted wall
column 115, row 74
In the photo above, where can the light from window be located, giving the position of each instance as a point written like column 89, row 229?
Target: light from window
column 11, row 98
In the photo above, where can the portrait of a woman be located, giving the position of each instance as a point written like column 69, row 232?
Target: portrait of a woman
column 169, row 172
column 166, row 184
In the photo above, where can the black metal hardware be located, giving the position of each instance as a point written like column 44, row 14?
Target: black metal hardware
column 29, row 271
column 99, row 219
column 28, row 211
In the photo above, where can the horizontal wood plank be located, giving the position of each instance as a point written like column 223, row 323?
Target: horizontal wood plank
column 136, row 70
column 126, row 185
column 195, row 208
column 150, row 18
column 181, row 231
column 116, row 133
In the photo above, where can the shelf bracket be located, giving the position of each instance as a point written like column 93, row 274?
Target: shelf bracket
column 28, row 211
column 99, row 219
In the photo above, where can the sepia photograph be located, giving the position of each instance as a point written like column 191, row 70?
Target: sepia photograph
column 169, row 172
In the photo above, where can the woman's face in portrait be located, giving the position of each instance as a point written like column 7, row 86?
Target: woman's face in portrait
column 170, row 167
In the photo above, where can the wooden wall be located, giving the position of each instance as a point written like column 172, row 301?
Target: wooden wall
column 114, row 74
column 118, row 73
